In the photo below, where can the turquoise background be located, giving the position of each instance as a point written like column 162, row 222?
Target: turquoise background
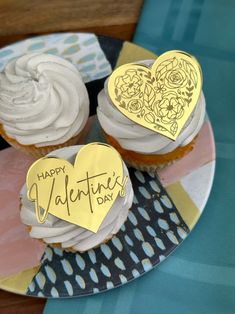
column 199, row 277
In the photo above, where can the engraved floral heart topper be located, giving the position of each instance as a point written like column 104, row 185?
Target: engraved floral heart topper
column 160, row 98
column 82, row 193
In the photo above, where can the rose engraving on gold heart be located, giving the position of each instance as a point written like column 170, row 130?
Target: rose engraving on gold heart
column 82, row 193
column 160, row 98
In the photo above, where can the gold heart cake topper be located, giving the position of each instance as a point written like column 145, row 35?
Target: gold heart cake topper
column 82, row 193
column 160, row 98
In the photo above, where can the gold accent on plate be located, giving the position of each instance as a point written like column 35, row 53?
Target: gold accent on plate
column 184, row 204
column 19, row 282
column 82, row 193
column 160, row 98
column 131, row 53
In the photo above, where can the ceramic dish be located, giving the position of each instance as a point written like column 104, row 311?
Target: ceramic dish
column 164, row 212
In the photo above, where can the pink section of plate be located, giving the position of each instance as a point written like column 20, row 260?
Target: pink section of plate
column 202, row 153
column 17, row 250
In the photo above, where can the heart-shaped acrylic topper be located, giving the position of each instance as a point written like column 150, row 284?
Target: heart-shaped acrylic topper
column 82, row 193
column 160, row 98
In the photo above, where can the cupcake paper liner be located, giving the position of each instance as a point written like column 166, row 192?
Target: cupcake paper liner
column 39, row 152
column 150, row 162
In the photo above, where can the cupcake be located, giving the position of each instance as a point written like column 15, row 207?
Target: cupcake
column 71, row 237
column 139, row 146
column 44, row 103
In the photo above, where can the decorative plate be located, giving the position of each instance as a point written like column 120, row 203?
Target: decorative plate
column 164, row 212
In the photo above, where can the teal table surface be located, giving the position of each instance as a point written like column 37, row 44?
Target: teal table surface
column 199, row 277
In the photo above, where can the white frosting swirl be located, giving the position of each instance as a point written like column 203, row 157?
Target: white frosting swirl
column 43, row 100
column 134, row 137
column 55, row 230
